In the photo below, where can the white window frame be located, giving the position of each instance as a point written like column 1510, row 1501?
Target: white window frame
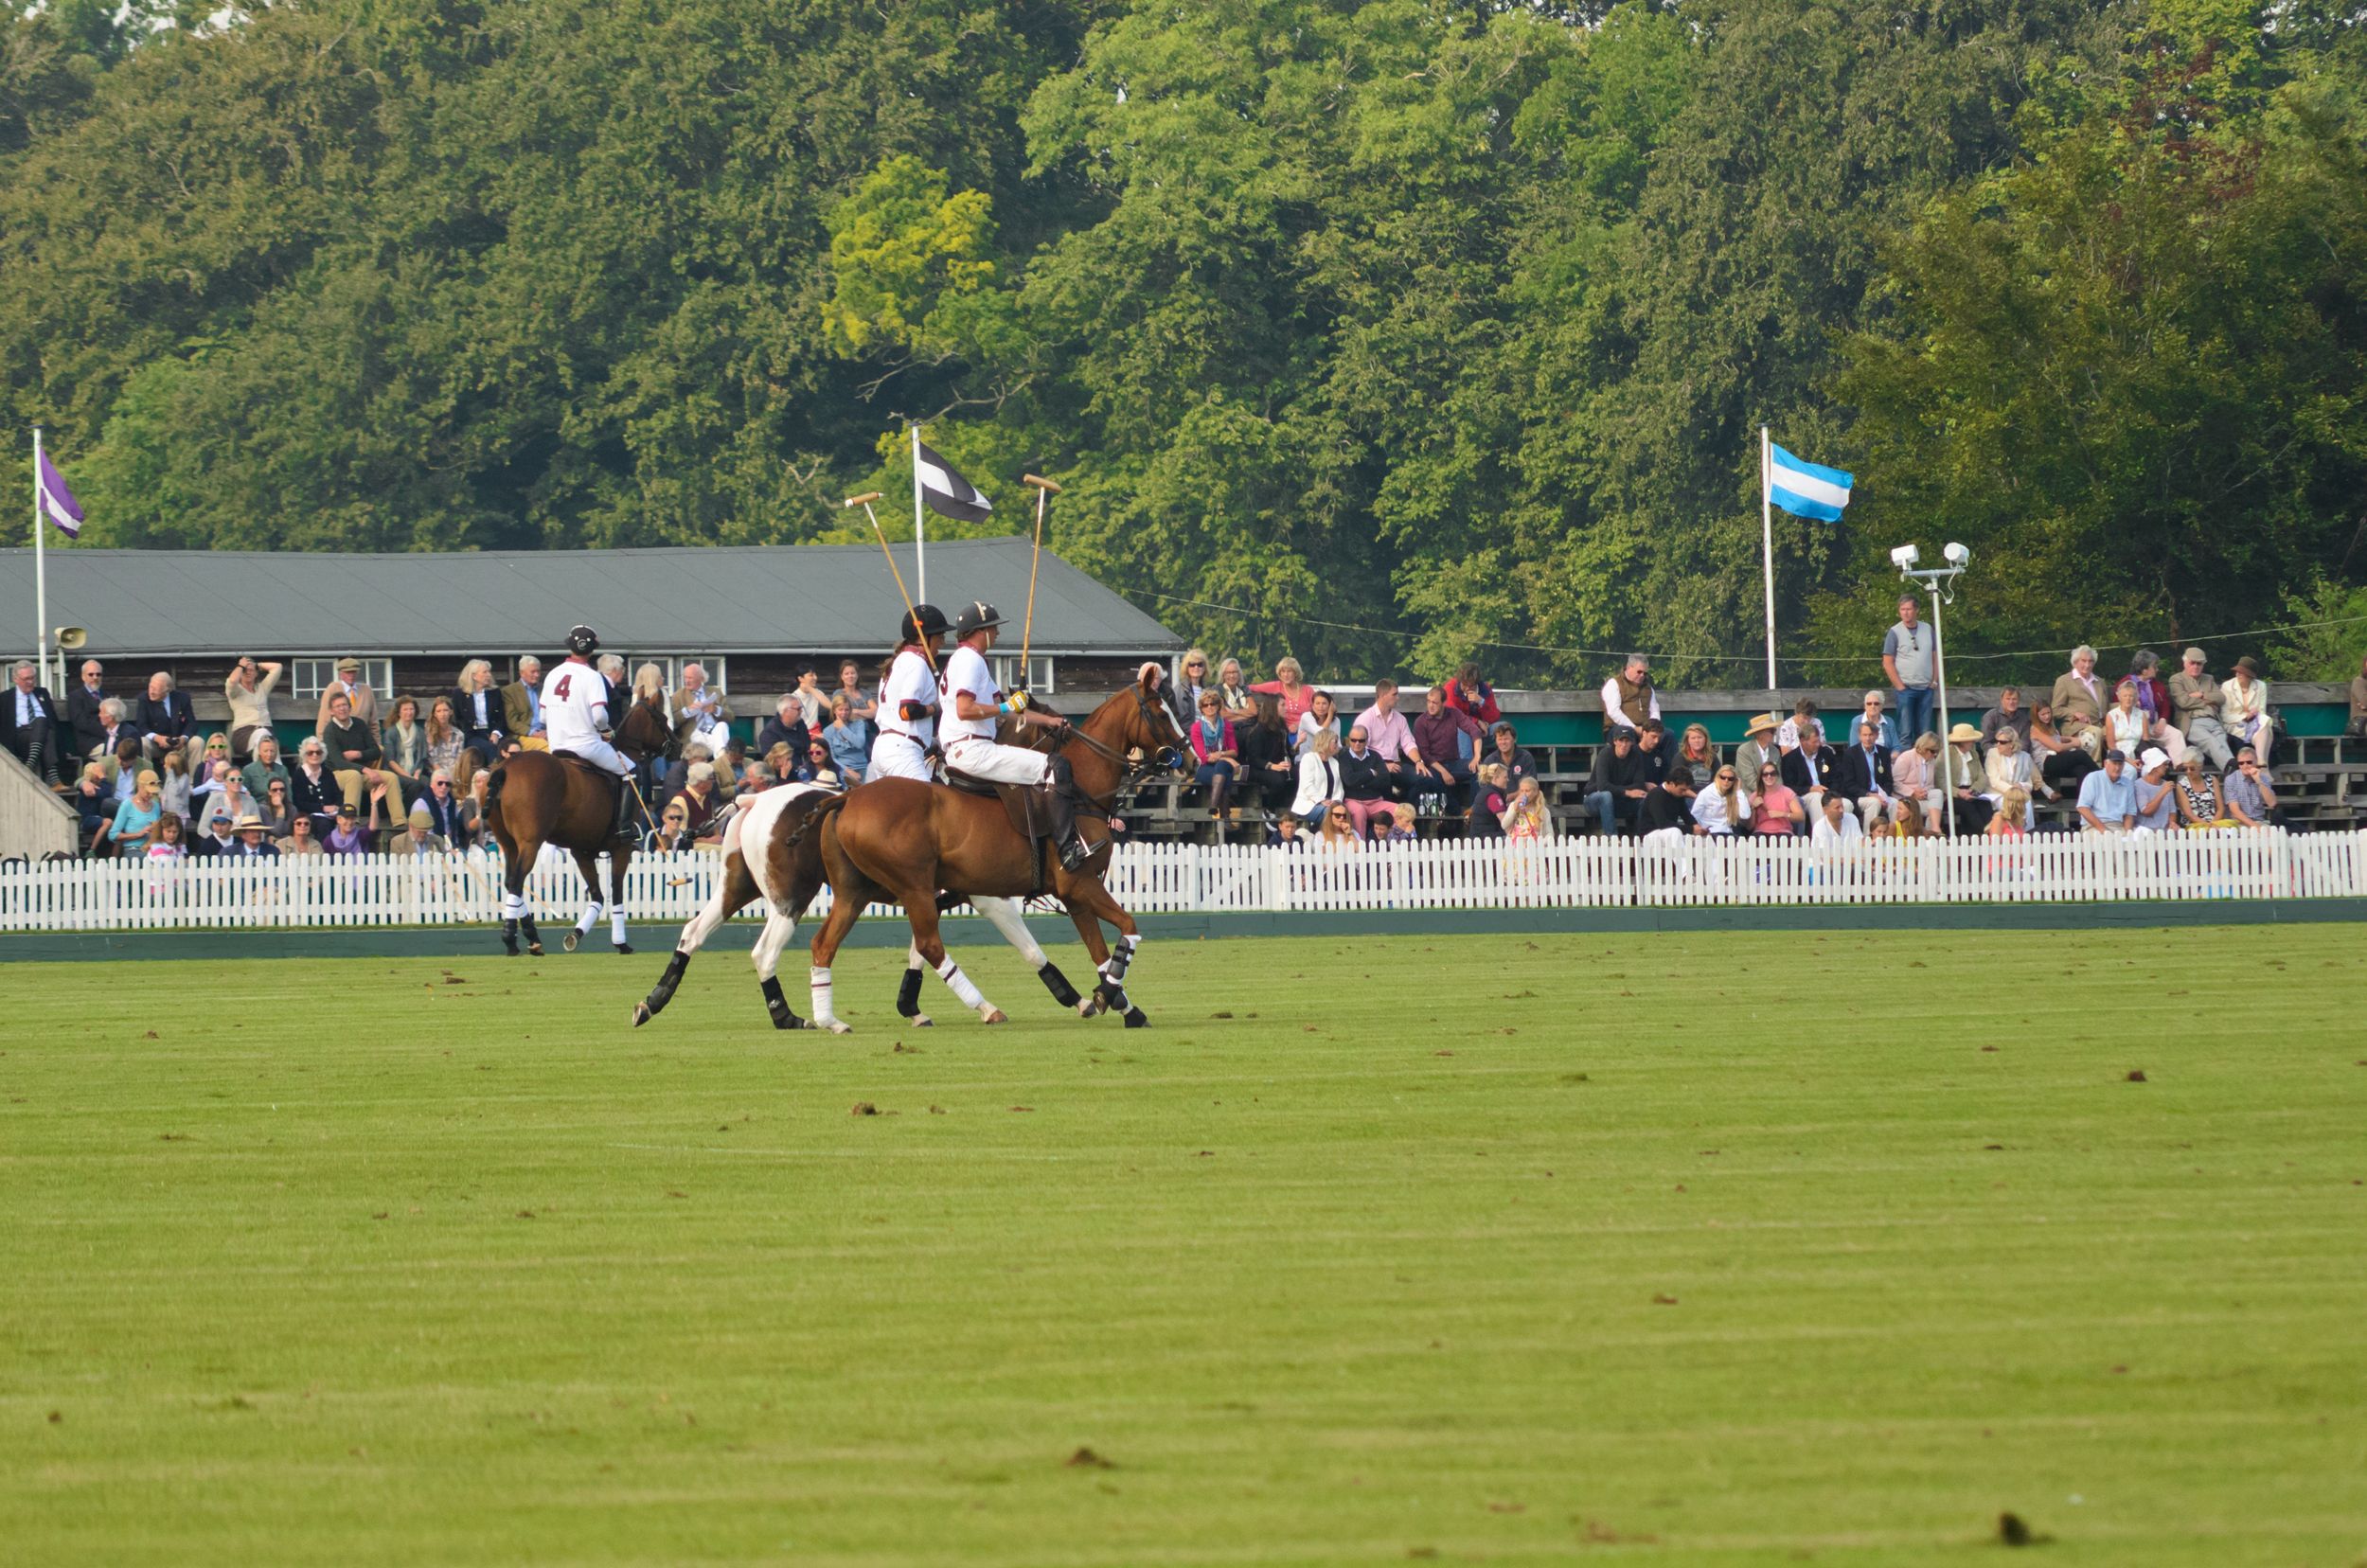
column 1040, row 666
column 307, row 678
column 716, row 664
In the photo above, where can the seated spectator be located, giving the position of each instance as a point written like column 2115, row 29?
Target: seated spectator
column 1491, row 797
column 165, row 716
column 861, row 705
column 2128, row 728
column 1655, row 750
column 2199, row 794
column 2357, row 728
column 1909, row 823
column 1886, row 732
column 2061, row 765
column 2153, row 696
column 522, row 709
column 248, row 689
column 170, row 841
column 848, row 736
column 1775, row 811
column 2006, row 715
column 1628, row 698
column 1803, row 719
column 273, row 809
column 212, row 762
column 1392, row 739
column 84, row 702
column 2244, row 711
column 353, row 752
column 781, row 761
column 1400, row 822
column 2250, row 796
column 134, row 826
column 212, row 838
column 115, row 727
column 787, row 727
column 93, row 801
column 814, row 703
column 702, row 803
column 678, row 777
column 402, row 750
column 311, row 788
column 1448, row 742
column 475, row 831
column 476, row 704
column 1864, row 775
column 2012, row 814
column 1916, row 772
column 258, row 775
column 2009, row 769
column 347, row 837
column 2079, row 701
column 1527, row 816
column 1966, row 778
column 177, row 781
column 419, row 837
column 1758, row 749
column 442, row 804
column 818, row 768
column 1616, row 789
column 355, row 690
column 445, row 737
column 1234, row 695
column 1216, row 755
column 1835, row 828
column 252, row 841
column 1723, row 810
column 731, row 762
column 1696, row 757
column 1471, row 696
column 1290, row 691
column 301, row 839
column 1512, row 756
column 1340, row 829
column 755, row 779
column 1667, row 815
column 1319, row 715
column 123, row 769
column 2108, row 797
column 673, row 829
column 1363, row 781
column 1183, row 693
column 1812, row 771
column 228, row 801
column 2196, row 701
column 2156, row 793
column 1268, row 774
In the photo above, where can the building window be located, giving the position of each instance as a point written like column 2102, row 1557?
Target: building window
column 1039, row 668
column 308, row 678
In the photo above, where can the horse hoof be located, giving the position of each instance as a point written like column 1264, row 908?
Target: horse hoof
column 624, row 949
column 535, row 948
column 640, row 1014
column 993, row 1015
column 569, row 941
column 1134, row 1019
column 1090, row 1007
column 839, row 1025
column 920, row 1021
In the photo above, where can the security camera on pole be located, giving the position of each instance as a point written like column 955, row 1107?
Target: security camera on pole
column 1941, row 580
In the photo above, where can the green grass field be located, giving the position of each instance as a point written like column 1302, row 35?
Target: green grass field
column 1727, row 1249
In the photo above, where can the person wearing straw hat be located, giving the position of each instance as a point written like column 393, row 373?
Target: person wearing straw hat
column 357, row 691
column 249, row 842
column 1968, row 775
column 1758, row 749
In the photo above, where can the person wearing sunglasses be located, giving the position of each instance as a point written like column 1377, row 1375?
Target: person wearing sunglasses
column 1183, row 692
column 1723, row 810
column 1776, row 811
column 2251, row 795
column 1339, row 830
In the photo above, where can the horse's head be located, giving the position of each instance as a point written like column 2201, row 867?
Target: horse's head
column 643, row 732
column 1151, row 728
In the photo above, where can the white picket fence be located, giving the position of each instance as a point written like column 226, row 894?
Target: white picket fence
column 1189, row 878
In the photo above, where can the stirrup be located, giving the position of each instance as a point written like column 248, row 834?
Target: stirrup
column 1074, row 852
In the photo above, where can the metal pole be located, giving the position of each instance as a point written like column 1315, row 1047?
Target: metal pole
column 1767, row 551
column 920, row 547
column 1939, row 657
column 40, row 580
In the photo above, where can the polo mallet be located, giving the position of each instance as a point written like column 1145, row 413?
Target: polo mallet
column 1045, row 489
column 864, row 500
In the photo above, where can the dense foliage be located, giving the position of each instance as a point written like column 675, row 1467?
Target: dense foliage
column 1385, row 333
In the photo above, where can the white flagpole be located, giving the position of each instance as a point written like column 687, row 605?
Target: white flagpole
column 41, row 578
column 1767, row 549
column 920, row 548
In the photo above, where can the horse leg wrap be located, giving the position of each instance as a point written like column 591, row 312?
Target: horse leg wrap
column 951, row 973
column 825, row 1016
column 664, row 990
column 908, row 993
column 1056, row 983
column 617, row 924
column 1121, row 954
column 1109, row 994
column 777, row 1004
column 591, row 919
column 513, row 906
column 1134, row 1019
column 510, row 936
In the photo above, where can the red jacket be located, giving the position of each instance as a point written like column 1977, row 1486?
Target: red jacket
column 1484, row 709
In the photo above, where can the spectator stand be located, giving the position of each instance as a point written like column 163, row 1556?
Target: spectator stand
column 34, row 821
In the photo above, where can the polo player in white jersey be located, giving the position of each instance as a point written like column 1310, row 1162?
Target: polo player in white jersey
column 974, row 702
column 575, row 719
column 908, row 699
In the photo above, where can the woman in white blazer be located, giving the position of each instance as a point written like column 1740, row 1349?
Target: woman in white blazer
column 1319, row 776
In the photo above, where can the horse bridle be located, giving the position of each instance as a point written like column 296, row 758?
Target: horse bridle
column 1131, row 773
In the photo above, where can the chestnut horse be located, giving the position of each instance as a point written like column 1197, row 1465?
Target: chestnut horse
column 900, row 840
column 539, row 797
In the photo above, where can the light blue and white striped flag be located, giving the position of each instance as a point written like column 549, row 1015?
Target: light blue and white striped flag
column 1805, row 490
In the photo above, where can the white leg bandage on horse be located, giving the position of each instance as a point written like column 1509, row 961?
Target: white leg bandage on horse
column 617, row 924
column 912, row 958
column 951, row 973
column 823, row 1014
column 513, row 905
column 591, row 919
column 1006, row 917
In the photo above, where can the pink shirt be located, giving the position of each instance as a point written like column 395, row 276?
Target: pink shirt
column 1390, row 735
column 1773, row 813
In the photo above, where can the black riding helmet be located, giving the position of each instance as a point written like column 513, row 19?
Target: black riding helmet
column 583, row 640
column 976, row 616
column 922, row 623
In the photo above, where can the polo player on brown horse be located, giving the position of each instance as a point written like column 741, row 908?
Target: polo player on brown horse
column 901, row 841
column 576, row 795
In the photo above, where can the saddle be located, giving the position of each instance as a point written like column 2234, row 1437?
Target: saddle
column 612, row 781
column 1028, row 807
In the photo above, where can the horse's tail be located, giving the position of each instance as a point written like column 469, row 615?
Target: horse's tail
column 494, row 789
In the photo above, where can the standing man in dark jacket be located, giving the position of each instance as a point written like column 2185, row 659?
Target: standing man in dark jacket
column 165, row 719
column 30, row 725
column 1617, row 789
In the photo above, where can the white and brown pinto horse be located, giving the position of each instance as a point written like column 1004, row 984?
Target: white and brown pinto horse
column 896, row 840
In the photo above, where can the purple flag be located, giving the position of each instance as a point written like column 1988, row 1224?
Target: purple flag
column 58, row 501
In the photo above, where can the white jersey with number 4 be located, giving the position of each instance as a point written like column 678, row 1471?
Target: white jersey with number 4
column 575, row 706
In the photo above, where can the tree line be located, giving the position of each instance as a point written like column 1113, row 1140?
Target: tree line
column 1383, row 334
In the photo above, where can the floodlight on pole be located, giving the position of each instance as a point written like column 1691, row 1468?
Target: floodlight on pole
column 1941, row 580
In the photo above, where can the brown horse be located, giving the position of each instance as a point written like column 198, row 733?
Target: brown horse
column 539, row 798
column 899, row 840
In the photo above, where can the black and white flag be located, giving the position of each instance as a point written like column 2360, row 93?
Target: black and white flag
column 947, row 492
